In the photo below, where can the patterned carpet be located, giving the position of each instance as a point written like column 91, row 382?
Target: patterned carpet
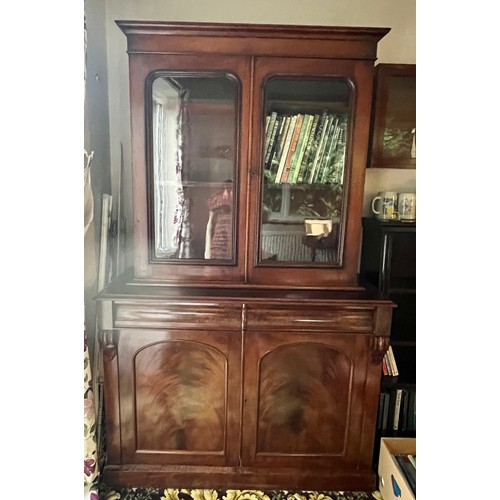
column 108, row 493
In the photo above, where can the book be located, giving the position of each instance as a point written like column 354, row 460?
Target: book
column 411, row 407
column 270, row 119
column 397, row 409
column 413, row 460
column 329, row 132
column 385, row 366
column 307, row 153
column 301, row 147
column 389, row 410
column 286, row 146
column 293, row 146
column 387, row 406
column 392, row 361
column 272, row 141
column 280, row 141
column 319, row 150
column 408, row 470
column 314, row 145
column 403, row 419
column 380, row 412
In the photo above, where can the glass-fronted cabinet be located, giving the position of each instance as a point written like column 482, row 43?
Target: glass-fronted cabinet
column 250, row 167
column 393, row 141
column 306, row 129
column 242, row 350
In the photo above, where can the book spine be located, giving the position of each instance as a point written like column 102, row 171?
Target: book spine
column 293, row 146
column 385, row 416
column 329, row 161
column 280, row 143
column 312, row 175
column 270, row 119
column 409, row 472
column 397, row 410
column 404, row 410
column 286, row 147
column 307, row 154
column 385, row 367
column 301, row 147
column 380, row 414
column 329, row 136
column 272, row 142
column 392, row 360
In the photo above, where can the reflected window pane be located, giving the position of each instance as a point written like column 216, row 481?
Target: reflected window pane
column 194, row 136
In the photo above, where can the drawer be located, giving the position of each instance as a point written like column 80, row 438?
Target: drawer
column 177, row 315
column 328, row 318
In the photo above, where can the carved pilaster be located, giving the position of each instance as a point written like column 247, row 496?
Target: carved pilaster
column 378, row 348
column 108, row 345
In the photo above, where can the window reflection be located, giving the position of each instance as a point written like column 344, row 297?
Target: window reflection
column 193, row 152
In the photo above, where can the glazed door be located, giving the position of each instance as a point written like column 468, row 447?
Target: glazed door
column 308, row 161
column 179, row 399
column 189, row 166
column 304, row 400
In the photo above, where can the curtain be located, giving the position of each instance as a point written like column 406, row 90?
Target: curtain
column 90, row 458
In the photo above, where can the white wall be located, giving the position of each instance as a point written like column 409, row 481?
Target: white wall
column 399, row 46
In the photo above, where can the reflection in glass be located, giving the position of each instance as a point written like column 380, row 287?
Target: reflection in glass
column 304, row 158
column 399, row 131
column 194, row 132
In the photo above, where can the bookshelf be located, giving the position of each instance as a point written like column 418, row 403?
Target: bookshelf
column 240, row 349
column 388, row 262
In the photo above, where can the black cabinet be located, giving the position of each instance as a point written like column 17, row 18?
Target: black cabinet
column 388, row 262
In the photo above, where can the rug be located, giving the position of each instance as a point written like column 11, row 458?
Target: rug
column 108, row 493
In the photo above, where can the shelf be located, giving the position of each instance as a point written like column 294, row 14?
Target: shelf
column 202, row 184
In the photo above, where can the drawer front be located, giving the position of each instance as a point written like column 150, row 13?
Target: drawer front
column 177, row 315
column 327, row 318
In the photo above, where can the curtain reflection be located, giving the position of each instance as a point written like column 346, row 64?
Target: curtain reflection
column 172, row 206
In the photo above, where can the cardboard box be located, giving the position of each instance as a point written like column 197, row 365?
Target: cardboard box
column 392, row 482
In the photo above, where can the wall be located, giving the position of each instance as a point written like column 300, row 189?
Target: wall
column 398, row 47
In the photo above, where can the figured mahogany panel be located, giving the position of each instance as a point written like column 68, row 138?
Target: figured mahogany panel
column 179, row 396
column 303, row 400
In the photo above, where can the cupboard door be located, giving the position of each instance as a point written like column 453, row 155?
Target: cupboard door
column 393, row 133
column 303, row 397
column 310, row 164
column 194, row 153
column 178, row 397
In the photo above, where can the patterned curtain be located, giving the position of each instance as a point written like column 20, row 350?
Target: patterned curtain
column 90, row 458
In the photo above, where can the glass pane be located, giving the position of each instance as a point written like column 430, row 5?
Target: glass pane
column 194, row 134
column 399, row 130
column 304, row 158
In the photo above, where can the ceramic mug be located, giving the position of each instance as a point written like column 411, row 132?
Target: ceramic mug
column 407, row 206
column 387, row 207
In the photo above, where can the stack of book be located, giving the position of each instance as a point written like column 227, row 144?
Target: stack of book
column 389, row 365
column 408, row 467
column 305, row 148
column 397, row 410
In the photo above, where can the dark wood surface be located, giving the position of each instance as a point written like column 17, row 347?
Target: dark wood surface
column 256, row 386
column 383, row 73
column 253, row 54
column 244, row 375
